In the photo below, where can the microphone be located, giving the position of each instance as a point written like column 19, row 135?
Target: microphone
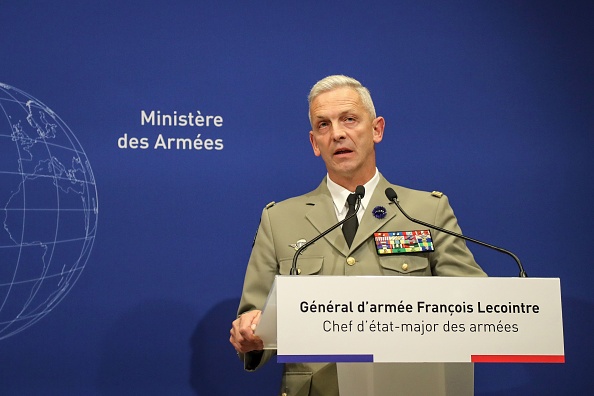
column 360, row 193
column 392, row 196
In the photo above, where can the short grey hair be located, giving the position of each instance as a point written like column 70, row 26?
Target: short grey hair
column 339, row 81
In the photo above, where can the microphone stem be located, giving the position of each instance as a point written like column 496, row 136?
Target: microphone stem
column 522, row 272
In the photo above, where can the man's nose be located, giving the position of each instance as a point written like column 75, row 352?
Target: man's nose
column 338, row 132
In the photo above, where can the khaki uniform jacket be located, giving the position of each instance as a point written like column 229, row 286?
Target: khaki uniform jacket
column 305, row 217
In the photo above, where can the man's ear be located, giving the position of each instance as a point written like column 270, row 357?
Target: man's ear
column 378, row 129
column 314, row 144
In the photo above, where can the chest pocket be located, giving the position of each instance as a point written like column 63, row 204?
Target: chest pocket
column 405, row 265
column 306, row 265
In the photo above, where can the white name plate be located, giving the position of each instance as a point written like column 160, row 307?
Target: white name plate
column 418, row 319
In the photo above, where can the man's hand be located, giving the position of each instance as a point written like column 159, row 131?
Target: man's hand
column 242, row 337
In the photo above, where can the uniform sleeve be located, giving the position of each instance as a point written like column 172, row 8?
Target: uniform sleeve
column 260, row 273
column 451, row 257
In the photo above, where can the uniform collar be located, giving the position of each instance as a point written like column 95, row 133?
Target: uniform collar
column 339, row 194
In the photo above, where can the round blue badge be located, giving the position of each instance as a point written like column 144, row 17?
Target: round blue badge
column 379, row 212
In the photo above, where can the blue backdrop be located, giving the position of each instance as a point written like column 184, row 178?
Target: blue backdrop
column 490, row 102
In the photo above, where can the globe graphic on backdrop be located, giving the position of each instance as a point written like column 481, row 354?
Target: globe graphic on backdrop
column 48, row 210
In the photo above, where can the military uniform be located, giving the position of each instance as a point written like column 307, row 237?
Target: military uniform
column 296, row 219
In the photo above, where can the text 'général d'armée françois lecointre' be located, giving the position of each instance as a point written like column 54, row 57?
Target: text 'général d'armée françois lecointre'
column 419, row 307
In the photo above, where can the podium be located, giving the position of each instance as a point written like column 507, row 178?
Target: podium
column 412, row 335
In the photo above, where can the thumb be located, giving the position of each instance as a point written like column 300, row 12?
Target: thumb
column 256, row 320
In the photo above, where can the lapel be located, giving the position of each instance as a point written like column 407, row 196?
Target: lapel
column 322, row 216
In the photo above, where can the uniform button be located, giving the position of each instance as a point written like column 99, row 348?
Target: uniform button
column 351, row 261
column 404, row 267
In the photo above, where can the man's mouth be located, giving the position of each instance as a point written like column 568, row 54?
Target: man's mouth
column 342, row 151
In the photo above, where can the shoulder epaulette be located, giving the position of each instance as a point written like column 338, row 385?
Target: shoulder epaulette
column 437, row 194
column 270, row 205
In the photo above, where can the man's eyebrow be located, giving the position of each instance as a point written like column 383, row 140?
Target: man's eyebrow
column 350, row 111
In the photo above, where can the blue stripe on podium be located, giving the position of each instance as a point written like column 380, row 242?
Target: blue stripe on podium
column 324, row 358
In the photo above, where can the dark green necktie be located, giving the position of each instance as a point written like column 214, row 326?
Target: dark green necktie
column 349, row 228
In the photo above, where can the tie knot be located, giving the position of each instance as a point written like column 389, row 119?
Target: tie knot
column 351, row 200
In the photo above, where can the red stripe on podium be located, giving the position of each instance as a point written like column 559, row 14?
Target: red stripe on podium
column 517, row 358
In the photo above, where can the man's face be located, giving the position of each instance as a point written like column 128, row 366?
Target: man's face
column 344, row 134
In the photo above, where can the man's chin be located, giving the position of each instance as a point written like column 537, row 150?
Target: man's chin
column 343, row 172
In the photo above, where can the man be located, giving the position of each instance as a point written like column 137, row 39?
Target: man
column 345, row 130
